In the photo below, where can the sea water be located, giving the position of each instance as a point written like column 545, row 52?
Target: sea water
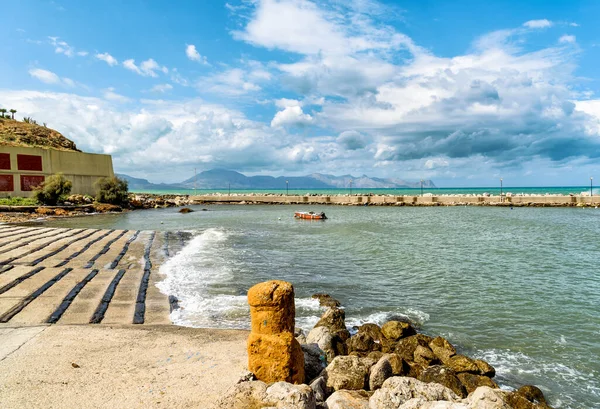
column 518, row 288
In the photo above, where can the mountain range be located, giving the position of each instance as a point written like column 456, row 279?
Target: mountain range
column 223, row 179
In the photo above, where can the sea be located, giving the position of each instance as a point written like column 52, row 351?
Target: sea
column 519, row 288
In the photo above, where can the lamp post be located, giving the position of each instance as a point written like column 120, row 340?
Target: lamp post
column 229, row 189
column 350, row 187
column 501, row 200
column 195, row 179
column 421, row 187
column 287, row 185
column 591, row 195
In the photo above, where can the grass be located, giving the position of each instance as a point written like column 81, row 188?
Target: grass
column 18, row 201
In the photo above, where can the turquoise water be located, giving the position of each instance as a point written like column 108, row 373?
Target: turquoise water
column 557, row 190
column 519, row 288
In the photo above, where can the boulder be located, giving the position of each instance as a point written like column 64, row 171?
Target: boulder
column 244, row 395
column 344, row 399
column 334, row 319
column 347, row 372
column 444, row 376
column 461, row 363
column 532, row 394
column 485, row 369
column 371, row 329
column 315, row 360
column 319, row 387
column 395, row 330
column 325, row 300
column 423, row 355
column 471, row 382
column 185, row 210
column 381, row 371
column 398, row 390
column 420, row 403
column 406, row 346
column 376, row 355
column 288, row 396
column 442, row 348
column 363, row 343
column 415, row 369
column 399, row 367
column 331, row 344
column 487, row 398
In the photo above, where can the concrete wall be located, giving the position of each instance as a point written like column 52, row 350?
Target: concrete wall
column 82, row 169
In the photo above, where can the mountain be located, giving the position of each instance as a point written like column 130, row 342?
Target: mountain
column 223, row 179
column 30, row 134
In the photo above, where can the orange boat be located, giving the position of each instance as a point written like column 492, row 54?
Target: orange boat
column 310, row 215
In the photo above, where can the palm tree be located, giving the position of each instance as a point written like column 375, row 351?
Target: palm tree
column 2, row 111
column 13, row 112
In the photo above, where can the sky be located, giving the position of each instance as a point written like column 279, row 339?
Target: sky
column 463, row 93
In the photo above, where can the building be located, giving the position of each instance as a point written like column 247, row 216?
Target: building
column 24, row 168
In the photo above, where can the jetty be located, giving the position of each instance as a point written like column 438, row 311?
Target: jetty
column 391, row 200
column 82, row 324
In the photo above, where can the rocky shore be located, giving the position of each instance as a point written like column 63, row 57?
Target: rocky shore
column 388, row 367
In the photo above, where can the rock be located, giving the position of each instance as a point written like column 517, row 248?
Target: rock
column 348, row 400
column 371, row 329
column 420, row 403
column 487, row 398
column 442, row 348
column 325, row 300
column 332, row 345
column 319, row 387
column 398, row 390
column 334, row 319
column 362, row 342
column 315, row 360
column 347, row 372
column 532, row 394
column 301, row 339
column 518, row 401
column 472, row 382
column 273, row 352
column 485, row 369
column 399, row 367
column 245, row 395
column 376, row 355
column 185, row 210
column 288, row 396
column 461, row 363
column 423, row 355
column 395, row 330
column 444, row 376
column 415, row 369
column 406, row 346
column 379, row 373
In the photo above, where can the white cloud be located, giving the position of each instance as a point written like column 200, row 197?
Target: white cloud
column 82, row 53
column 567, row 39
column 62, row 47
column 194, row 55
column 147, row 68
column 538, row 24
column 285, row 102
column 290, row 116
column 48, row 77
column 107, row 58
column 231, row 82
column 111, row 95
column 161, row 88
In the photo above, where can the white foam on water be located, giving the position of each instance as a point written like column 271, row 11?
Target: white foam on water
column 381, row 317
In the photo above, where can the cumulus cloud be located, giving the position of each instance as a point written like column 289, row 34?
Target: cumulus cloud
column 48, row 77
column 291, row 116
column 194, row 55
column 111, row 95
column 148, row 68
column 567, row 39
column 107, row 58
column 538, row 24
column 231, row 82
column 352, row 140
column 161, row 88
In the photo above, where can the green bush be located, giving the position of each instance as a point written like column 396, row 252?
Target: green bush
column 18, row 201
column 54, row 188
column 112, row 190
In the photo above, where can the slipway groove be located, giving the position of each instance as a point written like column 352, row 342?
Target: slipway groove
column 81, row 276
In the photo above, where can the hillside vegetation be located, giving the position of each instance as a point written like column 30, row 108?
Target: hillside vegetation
column 17, row 133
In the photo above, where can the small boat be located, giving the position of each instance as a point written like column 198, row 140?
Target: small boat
column 310, row 215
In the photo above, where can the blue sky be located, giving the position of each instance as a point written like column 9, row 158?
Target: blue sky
column 462, row 93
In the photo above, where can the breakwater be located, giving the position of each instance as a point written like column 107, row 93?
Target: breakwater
column 391, row 200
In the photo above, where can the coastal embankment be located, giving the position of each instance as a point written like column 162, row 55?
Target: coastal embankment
column 390, row 200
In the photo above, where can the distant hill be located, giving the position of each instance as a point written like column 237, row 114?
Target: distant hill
column 17, row 133
column 222, row 179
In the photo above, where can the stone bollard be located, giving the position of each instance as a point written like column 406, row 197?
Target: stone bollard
column 273, row 353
